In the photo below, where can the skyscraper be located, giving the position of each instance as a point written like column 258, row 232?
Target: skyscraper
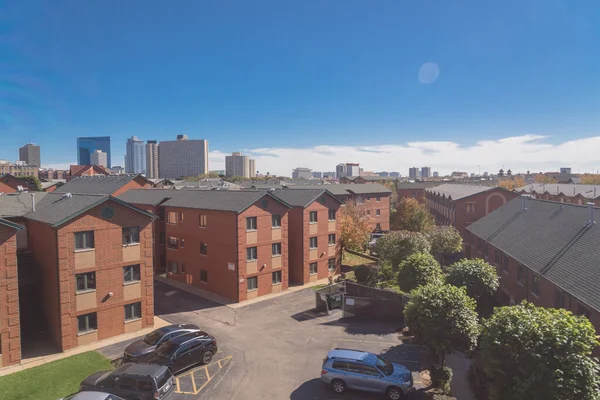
column 182, row 157
column 135, row 156
column 301, row 173
column 252, row 167
column 425, row 172
column 340, row 171
column 87, row 145
column 152, row 159
column 30, row 153
column 238, row 165
column 98, row 157
column 347, row 169
column 412, row 173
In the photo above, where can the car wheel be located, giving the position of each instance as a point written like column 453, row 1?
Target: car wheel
column 394, row 393
column 207, row 357
column 338, row 386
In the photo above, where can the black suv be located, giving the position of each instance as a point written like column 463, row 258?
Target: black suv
column 151, row 341
column 184, row 351
column 133, row 382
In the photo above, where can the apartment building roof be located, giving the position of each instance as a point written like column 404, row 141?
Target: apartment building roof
column 150, row 197
column 416, row 185
column 77, row 170
column 456, row 191
column 96, row 184
column 302, row 197
column 345, row 189
column 57, row 208
column 19, row 204
column 11, row 225
column 14, row 181
column 555, row 240
column 566, row 189
column 218, row 200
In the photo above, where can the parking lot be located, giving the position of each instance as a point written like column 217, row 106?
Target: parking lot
column 273, row 349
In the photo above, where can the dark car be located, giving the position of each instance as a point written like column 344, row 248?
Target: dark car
column 133, row 382
column 184, row 351
column 151, row 341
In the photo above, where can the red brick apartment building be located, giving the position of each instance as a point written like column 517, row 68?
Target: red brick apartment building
column 85, row 271
column 86, row 170
column 314, row 250
column 563, row 192
column 461, row 205
column 415, row 190
column 545, row 252
column 10, row 184
column 112, row 185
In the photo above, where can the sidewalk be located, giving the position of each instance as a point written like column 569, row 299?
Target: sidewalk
column 460, row 376
column 34, row 362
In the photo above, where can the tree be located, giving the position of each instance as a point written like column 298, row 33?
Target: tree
column 501, row 172
column 509, row 173
column 33, row 181
column 477, row 276
column 542, row 178
column 530, row 352
column 412, row 216
column 590, row 179
column 512, row 184
column 398, row 245
column 417, row 270
column 444, row 239
column 443, row 318
column 355, row 226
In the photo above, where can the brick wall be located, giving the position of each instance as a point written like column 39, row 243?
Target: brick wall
column 10, row 337
column 418, row 194
column 369, row 201
column 137, row 183
column 296, row 245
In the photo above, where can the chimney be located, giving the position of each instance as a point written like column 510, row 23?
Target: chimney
column 33, row 202
column 591, row 208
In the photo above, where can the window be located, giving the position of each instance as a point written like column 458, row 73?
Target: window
column 87, row 322
column 202, row 220
column 377, row 212
column 313, row 217
column 181, row 243
column 368, row 198
column 331, row 264
column 331, row 215
column 378, row 198
column 251, row 223
column 378, row 227
column 340, row 365
column 172, row 217
column 84, row 240
column 252, row 283
column 133, row 311
column 313, row 242
column 180, row 216
column 173, row 267
column 161, row 214
column 368, row 212
column 521, row 274
column 332, row 238
column 276, row 277
column 131, row 235
column 559, row 298
column 313, row 268
column 470, row 208
column 203, row 275
column 86, row 281
column 276, row 221
column 131, row 273
column 203, row 249
column 162, row 238
column 505, row 263
column 251, row 254
column 276, row 249
column 535, row 285
column 173, row 243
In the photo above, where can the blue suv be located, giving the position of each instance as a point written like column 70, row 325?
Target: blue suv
column 352, row 369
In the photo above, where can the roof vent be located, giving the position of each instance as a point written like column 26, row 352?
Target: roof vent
column 591, row 208
column 66, row 196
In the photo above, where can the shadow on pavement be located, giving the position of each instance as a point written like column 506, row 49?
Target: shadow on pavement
column 171, row 300
column 409, row 355
column 368, row 326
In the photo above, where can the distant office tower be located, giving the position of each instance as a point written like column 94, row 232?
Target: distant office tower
column 30, row 153
column 317, row 174
column 425, row 172
column 135, row 156
column 437, row 174
column 384, row 174
column 329, row 174
column 394, row 174
column 98, row 157
column 413, row 172
column 117, row 170
column 182, row 157
column 151, row 159
column 87, row 145
column 340, row 170
column 301, row 173
column 239, row 165
column 563, row 170
column 347, row 169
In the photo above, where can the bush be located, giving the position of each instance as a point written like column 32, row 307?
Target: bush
column 394, row 247
column 417, row 270
column 441, row 376
column 365, row 275
column 387, row 273
column 438, row 396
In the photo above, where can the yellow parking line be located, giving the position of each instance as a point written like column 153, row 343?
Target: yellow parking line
column 219, row 362
column 207, row 374
column 178, row 387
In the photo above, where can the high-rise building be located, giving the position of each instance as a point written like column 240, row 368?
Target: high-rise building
column 30, row 153
column 87, row 145
column 182, row 157
column 565, row 170
column 317, row 174
column 425, row 172
column 394, row 174
column 347, row 169
column 151, row 159
column 135, row 156
column 413, row 173
column 437, row 174
column 239, row 165
column 329, row 174
column 98, row 157
column 301, row 173
column 340, row 170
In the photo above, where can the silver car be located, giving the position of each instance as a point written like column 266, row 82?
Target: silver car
column 352, row 369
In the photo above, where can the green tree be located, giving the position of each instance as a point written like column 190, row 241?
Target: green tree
column 444, row 239
column 33, row 181
column 412, row 216
column 530, row 352
column 398, row 245
column 417, row 270
column 443, row 318
column 478, row 277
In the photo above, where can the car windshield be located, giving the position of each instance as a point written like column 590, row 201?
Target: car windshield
column 154, row 337
column 163, row 379
column 385, row 366
column 167, row 350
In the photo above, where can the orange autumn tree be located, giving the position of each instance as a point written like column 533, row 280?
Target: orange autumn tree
column 543, row 178
column 355, row 226
column 512, row 184
column 590, row 179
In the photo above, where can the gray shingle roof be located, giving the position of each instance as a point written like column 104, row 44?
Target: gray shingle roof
column 219, row 200
column 17, row 205
column 11, row 225
column 151, row 197
column 417, row 185
column 456, row 192
column 552, row 239
column 567, row 189
column 302, row 197
column 342, row 189
column 97, row 184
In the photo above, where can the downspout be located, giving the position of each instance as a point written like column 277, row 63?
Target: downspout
column 237, row 266
column 60, row 333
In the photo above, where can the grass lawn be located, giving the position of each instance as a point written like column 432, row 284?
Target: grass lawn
column 53, row 380
column 354, row 260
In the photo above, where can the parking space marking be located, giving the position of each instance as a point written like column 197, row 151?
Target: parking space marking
column 201, row 374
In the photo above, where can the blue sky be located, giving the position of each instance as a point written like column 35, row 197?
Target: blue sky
column 285, row 75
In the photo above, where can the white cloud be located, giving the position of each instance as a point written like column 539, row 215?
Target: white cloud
column 519, row 153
